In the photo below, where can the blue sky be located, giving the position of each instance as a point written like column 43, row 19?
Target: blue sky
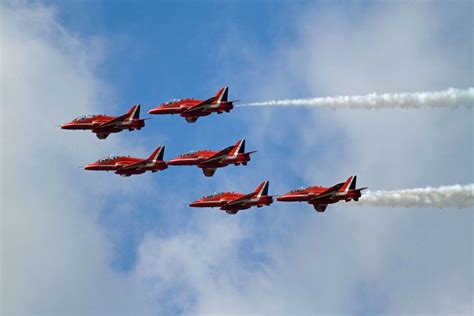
column 171, row 47
column 164, row 50
column 132, row 245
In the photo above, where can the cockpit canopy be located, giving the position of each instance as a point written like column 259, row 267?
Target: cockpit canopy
column 297, row 190
column 189, row 153
column 172, row 101
column 216, row 195
column 213, row 195
column 108, row 158
column 80, row 118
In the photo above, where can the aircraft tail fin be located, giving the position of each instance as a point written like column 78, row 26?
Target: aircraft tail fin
column 353, row 183
column 134, row 112
column 221, row 95
column 347, row 185
column 239, row 148
column 157, row 154
column 262, row 189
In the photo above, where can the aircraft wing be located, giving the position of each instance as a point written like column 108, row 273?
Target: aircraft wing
column 219, row 155
column 241, row 200
column 327, row 193
column 200, row 106
column 135, row 165
column 112, row 122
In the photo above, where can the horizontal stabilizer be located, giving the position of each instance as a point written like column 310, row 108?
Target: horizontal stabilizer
column 361, row 189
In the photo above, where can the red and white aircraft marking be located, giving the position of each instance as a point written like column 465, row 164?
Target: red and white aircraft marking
column 103, row 125
column 192, row 109
column 320, row 197
column 126, row 166
column 232, row 202
column 209, row 160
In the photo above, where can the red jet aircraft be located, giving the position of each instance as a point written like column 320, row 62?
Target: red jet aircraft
column 103, row 125
column 232, row 202
column 209, row 160
column 126, row 166
column 192, row 109
column 320, row 197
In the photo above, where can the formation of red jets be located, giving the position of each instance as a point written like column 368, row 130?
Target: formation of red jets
column 207, row 160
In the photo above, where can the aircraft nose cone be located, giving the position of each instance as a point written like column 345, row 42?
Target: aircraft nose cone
column 283, row 197
column 173, row 162
column 65, row 126
column 194, row 204
column 89, row 166
column 156, row 110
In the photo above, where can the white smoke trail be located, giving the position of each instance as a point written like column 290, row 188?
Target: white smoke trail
column 447, row 98
column 458, row 196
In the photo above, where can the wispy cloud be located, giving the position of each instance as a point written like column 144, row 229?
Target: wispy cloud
column 387, row 48
column 55, row 256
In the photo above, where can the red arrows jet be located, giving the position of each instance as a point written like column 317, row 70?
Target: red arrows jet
column 126, row 166
column 209, row 160
column 103, row 125
column 320, row 197
column 232, row 202
column 192, row 109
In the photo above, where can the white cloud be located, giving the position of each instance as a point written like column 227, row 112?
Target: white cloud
column 55, row 258
column 348, row 260
column 285, row 259
column 194, row 258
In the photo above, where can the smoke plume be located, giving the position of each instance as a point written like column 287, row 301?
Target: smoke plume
column 457, row 196
column 451, row 98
